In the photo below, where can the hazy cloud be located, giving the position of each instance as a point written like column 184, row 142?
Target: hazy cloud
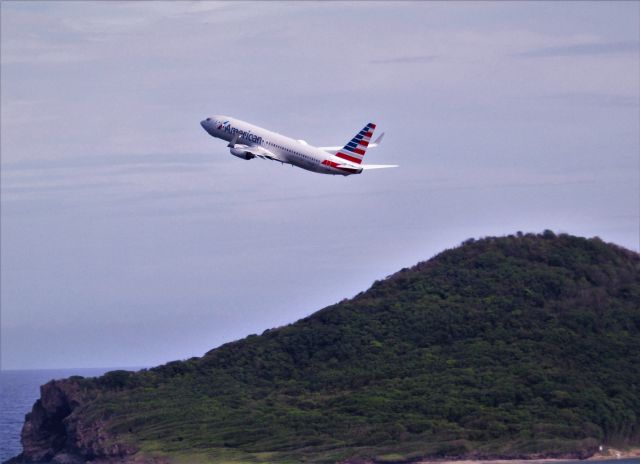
column 125, row 220
column 108, row 161
column 584, row 49
column 596, row 99
column 406, row 59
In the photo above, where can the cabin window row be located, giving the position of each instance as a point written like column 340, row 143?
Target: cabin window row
column 295, row 152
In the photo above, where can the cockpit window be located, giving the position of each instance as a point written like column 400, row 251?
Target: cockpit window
column 208, row 119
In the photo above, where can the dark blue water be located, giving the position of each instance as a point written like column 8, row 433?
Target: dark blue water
column 610, row 461
column 18, row 391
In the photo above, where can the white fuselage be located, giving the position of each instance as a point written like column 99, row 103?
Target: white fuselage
column 285, row 149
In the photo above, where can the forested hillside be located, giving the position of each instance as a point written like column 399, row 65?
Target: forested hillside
column 524, row 345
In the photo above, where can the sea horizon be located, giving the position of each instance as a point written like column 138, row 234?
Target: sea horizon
column 105, row 368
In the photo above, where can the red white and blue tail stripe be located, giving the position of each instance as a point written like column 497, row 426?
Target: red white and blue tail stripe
column 354, row 150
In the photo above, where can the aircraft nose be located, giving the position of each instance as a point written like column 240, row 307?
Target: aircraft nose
column 207, row 124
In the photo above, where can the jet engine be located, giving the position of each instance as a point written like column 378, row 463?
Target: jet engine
column 242, row 153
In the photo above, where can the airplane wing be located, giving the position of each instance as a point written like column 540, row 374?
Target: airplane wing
column 252, row 151
column 334, row 150
column 259, row 152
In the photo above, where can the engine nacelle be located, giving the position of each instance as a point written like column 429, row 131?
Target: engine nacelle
column 241, row 153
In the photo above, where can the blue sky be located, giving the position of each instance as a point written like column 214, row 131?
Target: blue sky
column 130, row 237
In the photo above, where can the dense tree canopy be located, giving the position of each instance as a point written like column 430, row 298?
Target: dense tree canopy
column 506, row 346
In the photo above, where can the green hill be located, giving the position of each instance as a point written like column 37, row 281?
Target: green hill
column 520, row 346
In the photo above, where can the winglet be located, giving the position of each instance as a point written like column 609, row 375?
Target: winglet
column 377, row 141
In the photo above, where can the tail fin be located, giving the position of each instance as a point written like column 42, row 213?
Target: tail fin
column 354, row 150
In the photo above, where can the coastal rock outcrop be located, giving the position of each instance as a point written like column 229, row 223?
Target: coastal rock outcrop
column 54, row 431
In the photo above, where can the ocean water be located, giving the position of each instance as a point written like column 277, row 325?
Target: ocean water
column 612, row 461
column 19, row 389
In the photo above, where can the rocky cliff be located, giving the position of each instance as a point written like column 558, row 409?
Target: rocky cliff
column 54, row 431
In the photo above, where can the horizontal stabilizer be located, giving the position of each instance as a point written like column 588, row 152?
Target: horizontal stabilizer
column 335, row 150
column 332, row 150
column 378, row 166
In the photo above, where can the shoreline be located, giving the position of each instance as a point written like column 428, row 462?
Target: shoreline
column 619, row 455
column 530, row 461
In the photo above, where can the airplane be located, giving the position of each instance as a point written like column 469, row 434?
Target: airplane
column 248, row 141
